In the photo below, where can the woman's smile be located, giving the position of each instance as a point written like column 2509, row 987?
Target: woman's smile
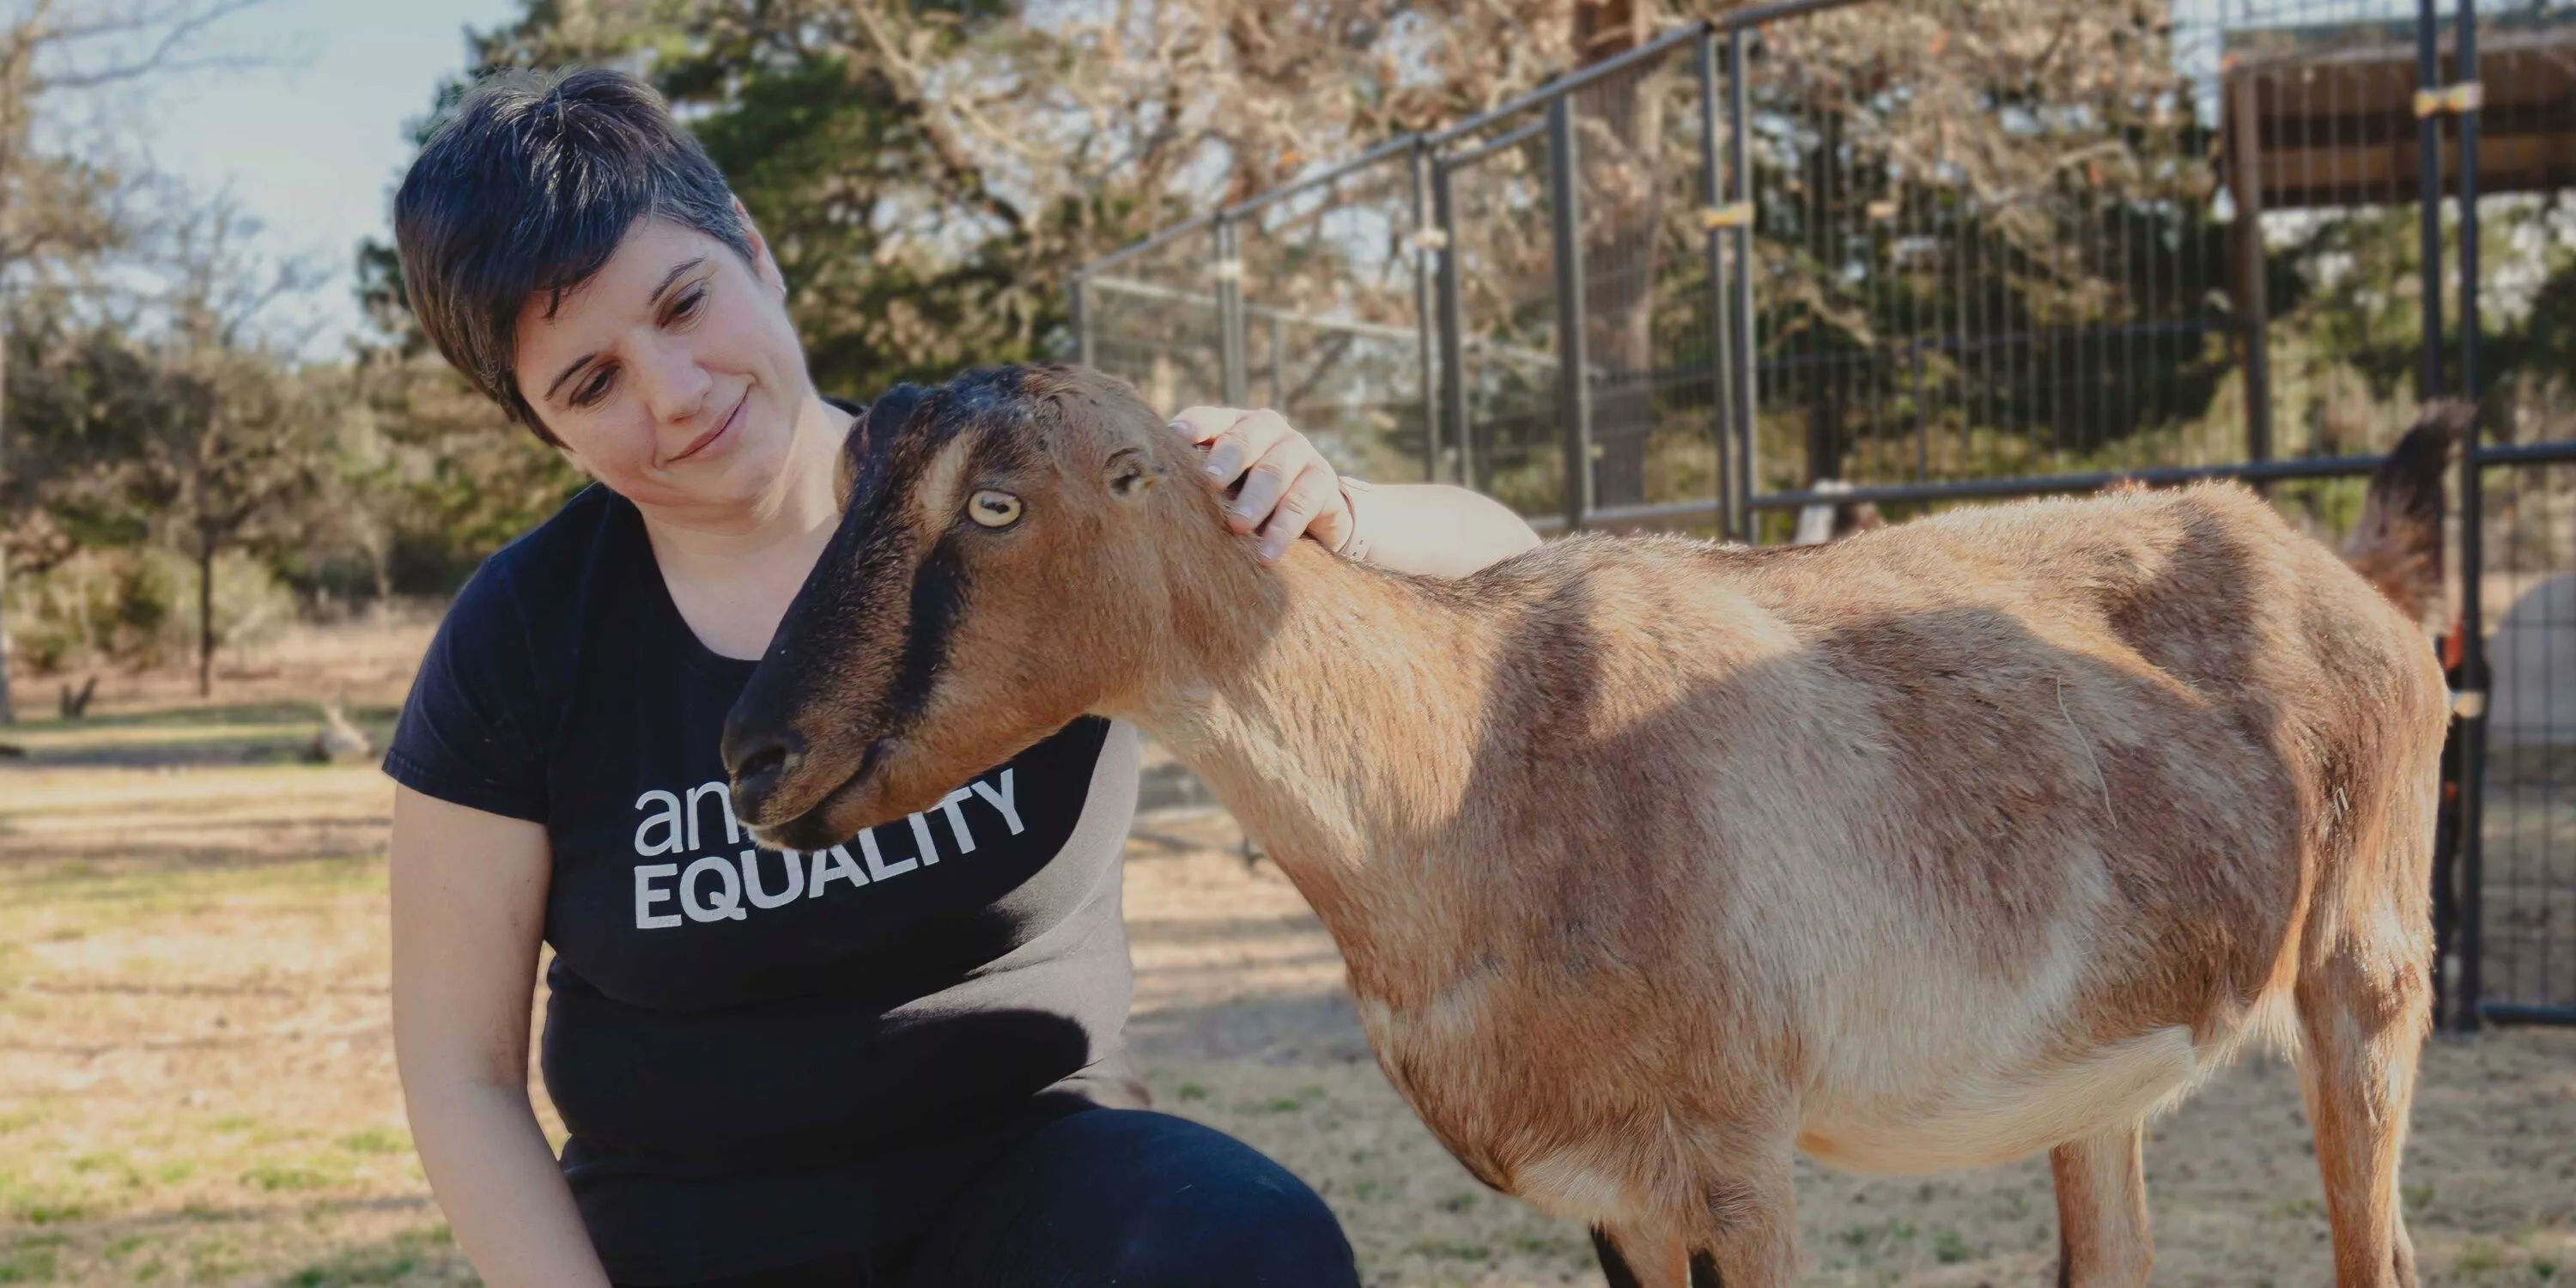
column 722, row 428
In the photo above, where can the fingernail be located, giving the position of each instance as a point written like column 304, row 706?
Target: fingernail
column 1182, row 428
column 1221, row 463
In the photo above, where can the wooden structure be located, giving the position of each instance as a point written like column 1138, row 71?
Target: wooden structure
column 2329, row 115
column 2325, row 116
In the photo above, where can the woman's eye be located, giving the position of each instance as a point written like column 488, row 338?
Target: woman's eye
column 688, row 305
column 593, row 389
column 994, row 509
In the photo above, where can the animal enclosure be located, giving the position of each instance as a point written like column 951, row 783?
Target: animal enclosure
column 1904, row 253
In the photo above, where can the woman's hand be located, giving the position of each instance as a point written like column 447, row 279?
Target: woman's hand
column 1289, row 490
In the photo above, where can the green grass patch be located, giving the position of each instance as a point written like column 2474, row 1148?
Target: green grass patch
column 407, row 1252
column 2478, row 1257
column 225, row 716
column 1453, row 1250
column 1889, row 1231
column 375, row 1140
column 54, row 1212
column 1550, row 1245
column 274, row 1177
column 27, row 1265
column 106, row 894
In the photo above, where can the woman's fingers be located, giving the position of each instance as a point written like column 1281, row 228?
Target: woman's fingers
column 1311, row 506
column 1242, row 443
column 1200, row 424
column 1286, row 488
column 1265, row 485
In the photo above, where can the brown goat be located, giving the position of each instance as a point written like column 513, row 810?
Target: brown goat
column 1655, row 861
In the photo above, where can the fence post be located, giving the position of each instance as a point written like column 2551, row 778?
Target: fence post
column 1229, row 315
column 1573, row 387
column 1425, row 245
column 2473, row 655
column 2253, row 303
column 2447, row 1006
column 1747, row 366
column 1453, row 347
column 2428, row 194
column 1080, row 305
column 1721, row 346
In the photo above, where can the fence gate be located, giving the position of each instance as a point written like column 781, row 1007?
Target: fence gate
column 1820, row 258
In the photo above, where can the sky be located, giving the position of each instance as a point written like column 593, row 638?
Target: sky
column 312, row 137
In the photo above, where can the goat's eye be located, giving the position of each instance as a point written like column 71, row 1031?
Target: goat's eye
column 994, row 509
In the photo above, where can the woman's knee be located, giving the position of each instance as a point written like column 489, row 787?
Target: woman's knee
column 1236, row 1229
column 1195, row 1208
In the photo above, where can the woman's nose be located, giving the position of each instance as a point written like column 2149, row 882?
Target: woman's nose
column 675, row 386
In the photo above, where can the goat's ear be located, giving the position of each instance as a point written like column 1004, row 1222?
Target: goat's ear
column 1129, row 473
column 845, row 468
column 875, row 422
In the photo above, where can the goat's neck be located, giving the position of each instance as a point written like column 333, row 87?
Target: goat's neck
column 1336, row 709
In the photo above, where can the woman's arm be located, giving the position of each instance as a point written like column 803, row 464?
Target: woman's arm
column 469, row 897
column 1437, row 530
column 1289, row 491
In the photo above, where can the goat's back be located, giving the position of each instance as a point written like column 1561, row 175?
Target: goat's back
column 2039, row 779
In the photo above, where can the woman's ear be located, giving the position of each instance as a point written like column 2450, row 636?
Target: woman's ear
column 763, row 264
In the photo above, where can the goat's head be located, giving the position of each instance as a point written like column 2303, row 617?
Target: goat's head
column 1000, row 568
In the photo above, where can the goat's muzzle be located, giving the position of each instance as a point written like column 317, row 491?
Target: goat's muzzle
column 761, row 760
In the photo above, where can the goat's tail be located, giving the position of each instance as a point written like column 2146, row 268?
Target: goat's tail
column 2396, row 544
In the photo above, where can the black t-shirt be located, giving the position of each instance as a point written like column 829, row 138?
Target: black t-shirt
column 765, row 1057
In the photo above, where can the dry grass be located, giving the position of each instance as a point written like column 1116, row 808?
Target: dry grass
column 197, row 1086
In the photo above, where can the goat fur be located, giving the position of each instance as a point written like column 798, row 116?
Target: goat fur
column 1656, row 861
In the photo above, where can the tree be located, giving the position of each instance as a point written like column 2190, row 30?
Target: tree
column 932, row 174
column 54, row 200
column 240, row 446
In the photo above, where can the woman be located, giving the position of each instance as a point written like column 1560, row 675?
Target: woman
column 899, row 1061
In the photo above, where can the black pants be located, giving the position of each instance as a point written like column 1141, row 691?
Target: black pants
column 1112, row 1197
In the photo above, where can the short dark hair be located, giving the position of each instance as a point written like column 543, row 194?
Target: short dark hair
column 529, row 187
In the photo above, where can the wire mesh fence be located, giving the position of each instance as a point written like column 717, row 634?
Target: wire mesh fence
column 1151, row 317
column 1496, row 190
column 1827, row 253
column 2527, row 883
column 1333, row 293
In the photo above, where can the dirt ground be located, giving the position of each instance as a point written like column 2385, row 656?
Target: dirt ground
column 197, row 1080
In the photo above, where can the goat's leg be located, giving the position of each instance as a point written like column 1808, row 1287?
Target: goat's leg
column 1749, row 1232
column 1634, row 1256
column 2363, row 1015
column 2102, row 1239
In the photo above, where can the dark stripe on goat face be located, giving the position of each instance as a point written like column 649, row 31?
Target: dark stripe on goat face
column 938, row 600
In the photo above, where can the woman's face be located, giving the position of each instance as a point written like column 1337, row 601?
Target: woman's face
column 673, row 375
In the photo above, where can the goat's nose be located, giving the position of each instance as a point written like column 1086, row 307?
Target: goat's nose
column 759, row 762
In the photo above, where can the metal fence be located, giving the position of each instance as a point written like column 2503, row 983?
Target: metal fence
column 1812, row 256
